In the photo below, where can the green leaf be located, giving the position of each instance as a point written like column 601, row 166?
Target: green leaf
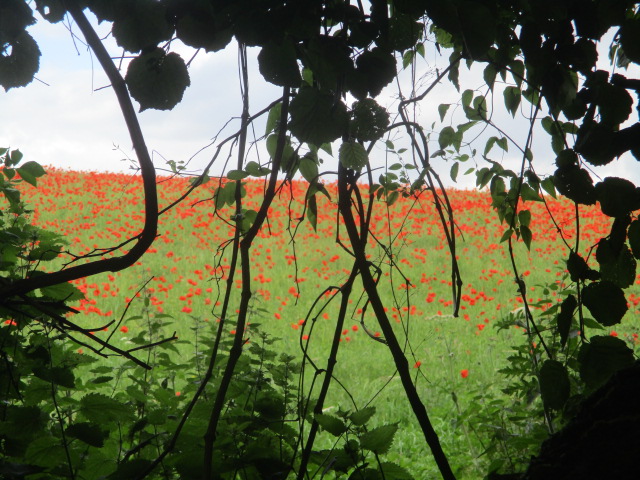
column 352, row 155
column 447, row 137
column 309, row 169
column 506, row 235
column 99, row 408
column 86, row 432
column 512, row 97
column 237, row 174
column 634, row 237
column 393, row 471
column 489, row 145
column 442, row 110
column 278, row 64
column 601, row 358
column 331, row 424
column 62, row 376
column 62, row 291
column 45, row 451
column 30, row 172
column 605, row 301
column 617, row 267
column 143, row 27
column 617, row 196
column 201, row 28
column 379, row 439
column 524, row 217
column 316, row 117
column 362, row 416
column 454, row 171
column 157, row 80
column 528, row 193
column 526, row 235
column 273, row 119
column 130, row 469
column 312, row 212
column 19, row 68
column 565, row 318
column 548, row 186
column 554, row 384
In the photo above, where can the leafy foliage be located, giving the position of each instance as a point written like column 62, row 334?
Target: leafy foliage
column 319, row 52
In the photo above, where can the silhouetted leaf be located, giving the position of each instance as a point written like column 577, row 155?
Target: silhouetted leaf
column 157, row 80
column 554, row 384
column 634, row 237
column 317, row 117
column 602, row 357
column 617, row 196
column 19, row 68
column 565, row 318
column 88, row 433
column 278, row 64
column 605, row 301
column 144, row 26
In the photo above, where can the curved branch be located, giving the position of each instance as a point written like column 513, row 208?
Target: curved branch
column 149, row 231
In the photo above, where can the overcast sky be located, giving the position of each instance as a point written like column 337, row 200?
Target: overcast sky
column 65, row 119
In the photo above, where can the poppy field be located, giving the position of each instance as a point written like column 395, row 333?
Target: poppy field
column 296, row 269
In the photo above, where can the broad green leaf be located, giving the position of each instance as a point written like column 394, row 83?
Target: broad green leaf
column 605, row 301
column 512, row 98
column 446, row 137
column 503, row 143
column 309, row 169
column 201, row 29
column 19, row 68
column 143, row 27
column 618, row 267
column 379, row 439
column 565, row 318
column 45, row 451
column 30, row 172
column 362, row 416
column 554, row 384
column 524, row 217
column 98, row 408
column 601, row 358
column 393, row 471
column 157, row 80
column 62, row 291
column 62, row 376
column 353, row 155
column 489, row 75
column 86, row 432
column 331, row 424
column 317, row 117
column 256, row 170
column 548, row 186
column 278, row 64
column 576, row 184
column 237, row 174
column 130, row 469
column 617, row 196
column 528, row 193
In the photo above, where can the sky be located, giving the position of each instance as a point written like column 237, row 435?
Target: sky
column 66, row 118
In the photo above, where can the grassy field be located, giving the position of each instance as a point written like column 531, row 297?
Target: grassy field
column 186, row 267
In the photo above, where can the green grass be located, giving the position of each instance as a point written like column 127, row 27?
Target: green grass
column 99, row 210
